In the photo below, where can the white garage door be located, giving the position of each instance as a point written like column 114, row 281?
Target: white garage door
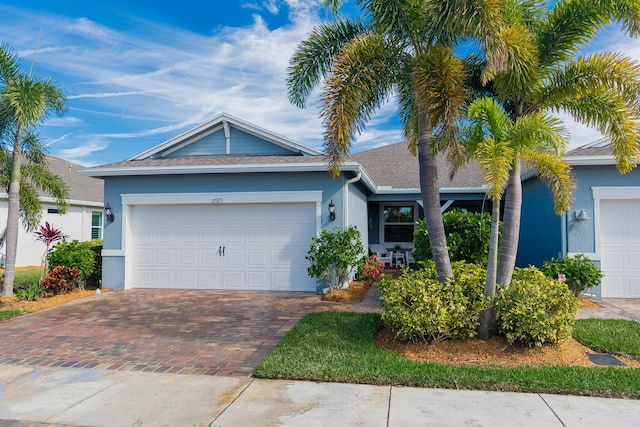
column 620, row 248
column 235, row 246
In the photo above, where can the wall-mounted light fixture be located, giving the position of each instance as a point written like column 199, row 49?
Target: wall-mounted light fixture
column 108, row 213
column 581, row 215
column 332, row 211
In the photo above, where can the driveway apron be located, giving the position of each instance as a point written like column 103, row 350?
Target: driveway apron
column 175, row 331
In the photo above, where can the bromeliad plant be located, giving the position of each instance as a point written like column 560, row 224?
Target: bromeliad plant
column 334, row 256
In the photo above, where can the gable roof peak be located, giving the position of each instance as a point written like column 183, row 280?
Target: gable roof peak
column 225, row 120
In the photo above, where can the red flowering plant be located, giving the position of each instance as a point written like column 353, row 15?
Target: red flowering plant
column 373, row 268
column 61, row 279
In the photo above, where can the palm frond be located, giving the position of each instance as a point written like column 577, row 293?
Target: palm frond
column 599, row 73
column 539, row 130
column 495, row 159
column 402, row 19
column 512, row 62
column 313, row 58
column 30, row 206
column 362, row 77
column 456, row 20
column 406, row 100
column 555, row 173
column 41, row 178
column 572, row 24
column 439, row 78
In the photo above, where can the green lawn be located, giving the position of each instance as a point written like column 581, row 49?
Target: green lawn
column 339, row 347
column 615, row 336
column 8, row 314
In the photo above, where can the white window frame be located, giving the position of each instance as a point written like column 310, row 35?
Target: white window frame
column 98, row 227
column 382, row 223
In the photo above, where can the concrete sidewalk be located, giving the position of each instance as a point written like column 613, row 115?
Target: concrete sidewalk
column 44, row 396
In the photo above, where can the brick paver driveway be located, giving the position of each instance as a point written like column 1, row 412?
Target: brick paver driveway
column 178, row 331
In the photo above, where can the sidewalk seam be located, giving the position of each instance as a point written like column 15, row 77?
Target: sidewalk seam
column 389, row 406
column 232, row 402
column 551, row 409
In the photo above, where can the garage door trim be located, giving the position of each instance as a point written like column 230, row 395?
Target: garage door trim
column 629, row 193
column 218, row 198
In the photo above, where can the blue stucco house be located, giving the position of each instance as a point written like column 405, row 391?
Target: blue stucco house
column 230, row 205
column 604, row 224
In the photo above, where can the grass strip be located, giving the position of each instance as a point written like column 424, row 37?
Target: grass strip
column 339, row 347
column 616, row 336
column 8, row 314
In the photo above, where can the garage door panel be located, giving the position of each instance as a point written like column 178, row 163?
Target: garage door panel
column 620, row 248
column 181, row 246
column 257, row 257
column 233, row 280
column 209, row 257
column 634, row 287
column 188, row 257
column 162, row 256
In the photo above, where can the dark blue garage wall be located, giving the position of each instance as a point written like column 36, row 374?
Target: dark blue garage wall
column 540, row 227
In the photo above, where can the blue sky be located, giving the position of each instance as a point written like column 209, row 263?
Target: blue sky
column 137, row 73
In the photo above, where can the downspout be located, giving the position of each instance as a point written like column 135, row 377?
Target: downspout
column 563, row 233
column 345, row 195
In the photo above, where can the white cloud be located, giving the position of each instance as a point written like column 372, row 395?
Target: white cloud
column 80, row 154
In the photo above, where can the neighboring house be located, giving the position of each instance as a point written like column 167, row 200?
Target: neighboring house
column 229, row 205
column 82, row 221
column 604, row 223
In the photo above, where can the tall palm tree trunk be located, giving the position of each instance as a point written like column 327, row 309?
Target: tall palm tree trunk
column 430, row 193
column 510, row 225
column 13, row 218
column 488, row 325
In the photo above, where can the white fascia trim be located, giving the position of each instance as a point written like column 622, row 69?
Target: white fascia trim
column 197, row 169
column 240, row 124
column 620, row 192
column 590, row 160
column 222, row 198
column 46, row 199
column 444, row 190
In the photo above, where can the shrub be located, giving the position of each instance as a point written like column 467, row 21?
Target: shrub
column 580, row 273
column 26, row 278
column 372, row 268
column 74, row 254
column 534, row 310
column 30, row 293
column 61, row 279
column 418, row 306
column 334, row 256
column 96, row 275
column 468, row 235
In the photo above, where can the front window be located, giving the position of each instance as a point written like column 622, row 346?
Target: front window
column 398, row 223
column 96, row 225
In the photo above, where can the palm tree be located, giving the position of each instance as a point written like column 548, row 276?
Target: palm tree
column 600, row 90
column 25, row 102
column 493, row 139
column 404, row 49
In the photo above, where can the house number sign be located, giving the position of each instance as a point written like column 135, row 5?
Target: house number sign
column 217, row 200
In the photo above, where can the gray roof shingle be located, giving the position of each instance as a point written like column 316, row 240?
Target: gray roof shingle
column 83, row 188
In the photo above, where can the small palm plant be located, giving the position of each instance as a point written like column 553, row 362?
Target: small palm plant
column 48, row 235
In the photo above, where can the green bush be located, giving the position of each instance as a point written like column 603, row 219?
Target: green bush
column 24, row 279
column 30, row 293
column 534, row 310
column 467, row 233
column 96, row 275
column 418, row 306
column 334, row 256
column 579, row 272
column 73, row 254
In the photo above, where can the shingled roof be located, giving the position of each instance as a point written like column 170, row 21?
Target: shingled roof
column 394, row 166
column 81, row 188
column 391, row 166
